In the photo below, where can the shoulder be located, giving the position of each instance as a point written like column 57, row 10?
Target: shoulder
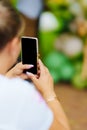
column 20, row 95
column 20, row 88
column 17, row 86
column 15, row 82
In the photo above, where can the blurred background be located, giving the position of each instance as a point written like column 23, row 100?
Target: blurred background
column 61, row 27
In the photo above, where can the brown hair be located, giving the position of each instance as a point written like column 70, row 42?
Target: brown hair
column 10, row 23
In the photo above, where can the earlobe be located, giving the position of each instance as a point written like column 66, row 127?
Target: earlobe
column 15, row 42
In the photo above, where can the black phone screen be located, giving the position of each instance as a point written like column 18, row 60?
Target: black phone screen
column 29, row 53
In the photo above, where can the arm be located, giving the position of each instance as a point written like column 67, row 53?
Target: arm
column 45, row 85
column 60, row 121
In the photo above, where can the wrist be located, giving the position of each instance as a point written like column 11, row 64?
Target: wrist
column 49, row 96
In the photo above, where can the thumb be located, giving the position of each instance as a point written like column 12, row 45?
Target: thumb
column 32, row 77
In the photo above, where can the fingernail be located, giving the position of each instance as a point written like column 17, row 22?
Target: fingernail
column 28, row 73
column 30, row 66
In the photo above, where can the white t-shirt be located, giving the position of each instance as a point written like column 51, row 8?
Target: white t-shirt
column 22, row 107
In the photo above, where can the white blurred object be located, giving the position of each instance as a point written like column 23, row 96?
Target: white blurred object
column 69, row 45
column 73, row 46
column 76, row 9
column 48, row 22
column 30, row 8
column 70, row 1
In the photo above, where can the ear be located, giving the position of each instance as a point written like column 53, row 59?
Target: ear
column 13, row 46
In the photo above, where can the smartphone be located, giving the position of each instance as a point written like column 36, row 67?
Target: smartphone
column 29, row 52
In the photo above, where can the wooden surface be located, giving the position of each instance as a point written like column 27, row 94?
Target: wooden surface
column 74, row 103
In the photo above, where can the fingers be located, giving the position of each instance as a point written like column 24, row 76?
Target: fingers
column 24, row 66
column 41, row 66
column 32, row 77
column 23, row 76
column 40, row 62
column 41, row 70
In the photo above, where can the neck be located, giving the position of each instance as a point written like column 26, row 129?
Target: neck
column 4, row 63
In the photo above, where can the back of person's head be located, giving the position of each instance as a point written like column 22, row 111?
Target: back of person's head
column 10, row 23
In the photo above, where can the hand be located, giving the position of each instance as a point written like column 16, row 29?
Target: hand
column 17, row 71
column 44, row 83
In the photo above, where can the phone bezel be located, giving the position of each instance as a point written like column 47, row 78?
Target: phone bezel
column 27, row 37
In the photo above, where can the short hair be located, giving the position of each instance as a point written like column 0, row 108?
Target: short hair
column 10, row 23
